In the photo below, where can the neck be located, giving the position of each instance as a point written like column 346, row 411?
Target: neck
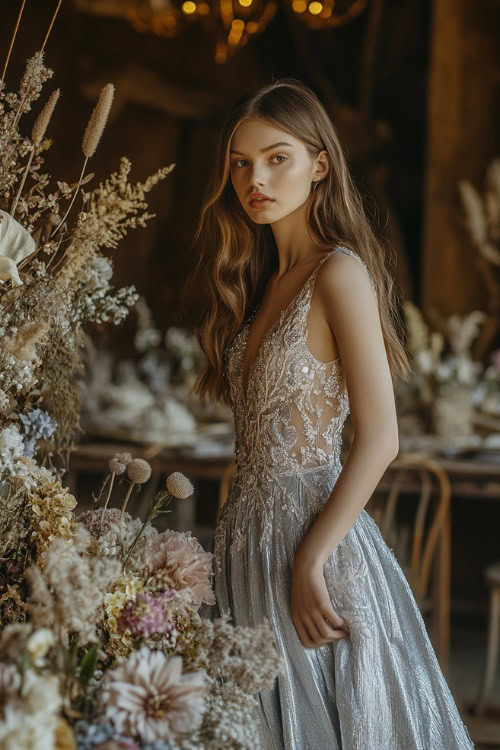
column 295, row 240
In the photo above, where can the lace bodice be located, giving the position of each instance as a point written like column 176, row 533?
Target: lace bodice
column 290, row 420
column 292, row 414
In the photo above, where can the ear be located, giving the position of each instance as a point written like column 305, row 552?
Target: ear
column 322, row 164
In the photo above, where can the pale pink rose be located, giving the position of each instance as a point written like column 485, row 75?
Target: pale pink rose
column 185, row 560
column 149, row 697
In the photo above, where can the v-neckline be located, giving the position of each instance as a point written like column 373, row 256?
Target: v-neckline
column 282, row 313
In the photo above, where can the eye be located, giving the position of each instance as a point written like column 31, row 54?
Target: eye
column 235, row 162
column 280, row 156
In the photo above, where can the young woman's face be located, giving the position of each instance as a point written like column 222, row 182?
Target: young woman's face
column 275, row 164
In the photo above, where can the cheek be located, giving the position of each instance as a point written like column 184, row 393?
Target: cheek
column 292, row 183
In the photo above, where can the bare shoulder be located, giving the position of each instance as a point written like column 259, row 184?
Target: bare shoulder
column 345, row 278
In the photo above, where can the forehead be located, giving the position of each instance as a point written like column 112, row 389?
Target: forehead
column 255, row 134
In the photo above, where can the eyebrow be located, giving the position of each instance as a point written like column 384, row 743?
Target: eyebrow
column 267, row 148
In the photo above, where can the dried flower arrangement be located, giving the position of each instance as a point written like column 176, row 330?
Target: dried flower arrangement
column 482, row 219
column 150, row 398
column 102, row 643
column 101, row 615
column 449, row 385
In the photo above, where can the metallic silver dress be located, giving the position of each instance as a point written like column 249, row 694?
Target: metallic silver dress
column 381, row 689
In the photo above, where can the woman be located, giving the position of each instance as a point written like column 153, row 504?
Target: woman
column 284, row 237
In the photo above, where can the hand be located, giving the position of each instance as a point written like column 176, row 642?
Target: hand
column 314, row 618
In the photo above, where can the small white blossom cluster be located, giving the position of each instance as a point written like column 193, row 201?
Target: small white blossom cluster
column 230, row 721
column 18, row 374
column 11, row 450
column 99, row 306
column 31, row 709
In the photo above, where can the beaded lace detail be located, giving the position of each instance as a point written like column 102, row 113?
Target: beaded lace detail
column 291, row 417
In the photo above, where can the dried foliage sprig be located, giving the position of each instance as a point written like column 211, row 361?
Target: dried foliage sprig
column 482, row 213
column 92, row 136
column 37, row 134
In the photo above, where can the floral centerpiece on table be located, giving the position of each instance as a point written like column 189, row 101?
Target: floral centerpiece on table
column 444, row 374
column 150, row 398
column 102, row 639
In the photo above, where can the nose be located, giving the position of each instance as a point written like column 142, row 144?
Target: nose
column 257, row 178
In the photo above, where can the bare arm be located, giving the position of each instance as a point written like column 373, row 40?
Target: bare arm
column 350, row 306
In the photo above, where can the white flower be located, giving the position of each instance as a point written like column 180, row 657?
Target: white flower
column 38, row 645
column 30, row 716
column 11, row 446
column 15, row 244
column 99, row 273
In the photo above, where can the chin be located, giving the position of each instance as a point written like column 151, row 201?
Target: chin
column 267, row 217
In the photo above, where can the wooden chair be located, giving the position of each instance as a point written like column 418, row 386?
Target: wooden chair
column 492, row 577
column 421, row 546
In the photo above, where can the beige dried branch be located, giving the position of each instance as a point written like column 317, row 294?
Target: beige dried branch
column 92, row 136
column 97, row 122
column 43, row 118
column 417, row 328
column 38, row 132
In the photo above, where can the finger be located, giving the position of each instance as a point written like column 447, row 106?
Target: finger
column 326, row 629
column 314, row 632
column 334, row 620
column 303, row 635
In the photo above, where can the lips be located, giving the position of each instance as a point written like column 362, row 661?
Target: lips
column 260, row 200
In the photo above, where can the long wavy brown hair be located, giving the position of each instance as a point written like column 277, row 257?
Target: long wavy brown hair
column 237, row 257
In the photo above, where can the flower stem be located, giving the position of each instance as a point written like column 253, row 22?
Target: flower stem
column 13, row 40
column 132, row 485
column 73, row 199
column 26, row 171
column 108, row 497
column 51, row 25
column 155, row 510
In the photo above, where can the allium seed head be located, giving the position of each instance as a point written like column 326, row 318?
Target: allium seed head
column 138, row 470
column 179, row 486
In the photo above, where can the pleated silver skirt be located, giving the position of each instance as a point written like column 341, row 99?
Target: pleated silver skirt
column 380, row 689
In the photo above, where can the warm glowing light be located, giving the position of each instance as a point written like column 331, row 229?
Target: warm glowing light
column 299, row 6
column 252, row 27
column 188, row 7
column 238, row 25
column 203, row 9
column 315, row 8
column 245, row 3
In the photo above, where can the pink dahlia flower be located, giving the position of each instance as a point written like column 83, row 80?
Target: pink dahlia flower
column 186, row 562
column 143, row 616
column 149, row 697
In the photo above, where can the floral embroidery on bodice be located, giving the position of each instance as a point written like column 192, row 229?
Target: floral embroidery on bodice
column 291, row 417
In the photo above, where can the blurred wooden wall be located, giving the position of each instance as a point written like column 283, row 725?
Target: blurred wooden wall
column 463, row 137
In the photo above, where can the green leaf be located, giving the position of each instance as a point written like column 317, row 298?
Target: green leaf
column 89, row 663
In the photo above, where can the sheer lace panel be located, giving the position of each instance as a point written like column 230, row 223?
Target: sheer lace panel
column 292, row 415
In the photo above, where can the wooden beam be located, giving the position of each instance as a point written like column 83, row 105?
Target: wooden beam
column 462, row 138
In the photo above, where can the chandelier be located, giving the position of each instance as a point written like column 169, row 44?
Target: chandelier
column 234, row 22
